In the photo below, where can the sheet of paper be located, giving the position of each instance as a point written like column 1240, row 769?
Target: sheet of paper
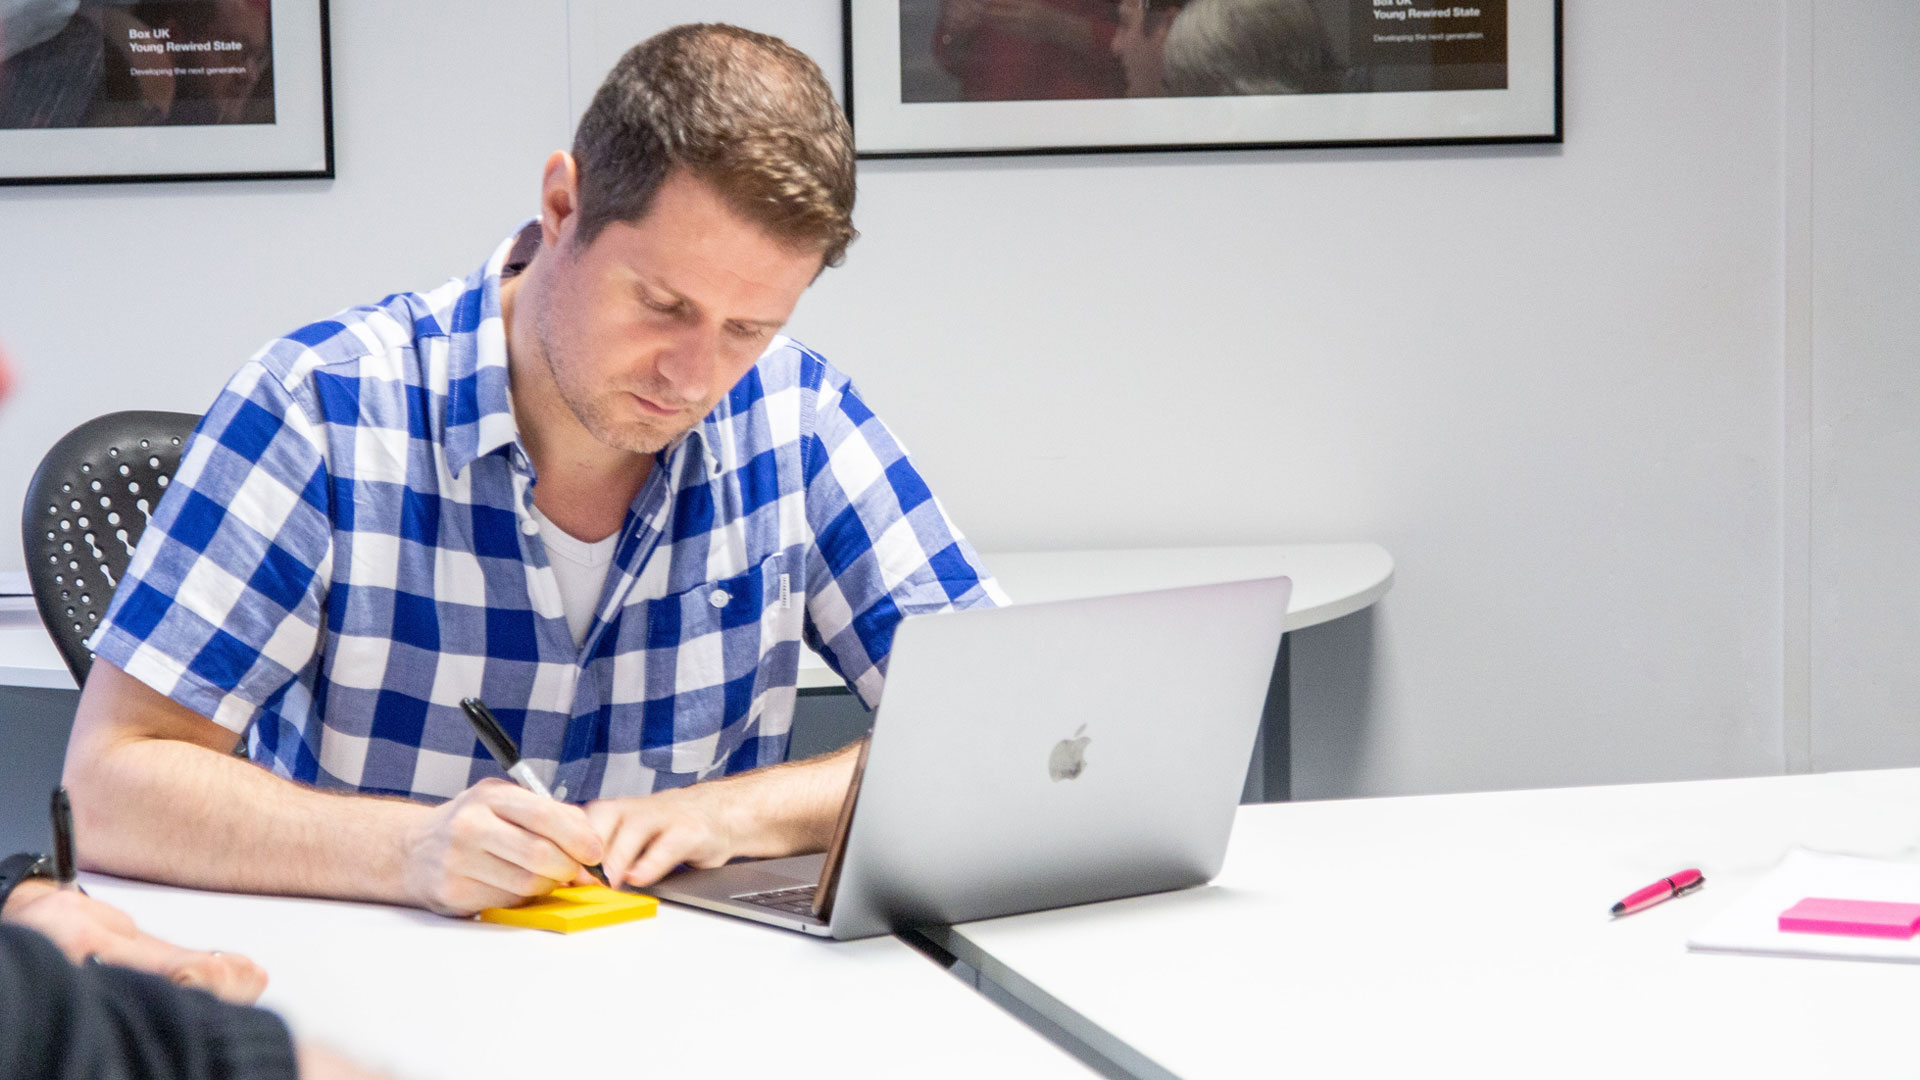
column 1751, row 924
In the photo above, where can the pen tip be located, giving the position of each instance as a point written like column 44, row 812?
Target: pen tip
column 1618, row 909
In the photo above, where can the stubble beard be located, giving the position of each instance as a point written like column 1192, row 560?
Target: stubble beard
column 595, row 408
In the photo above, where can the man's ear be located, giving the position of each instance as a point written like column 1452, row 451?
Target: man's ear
column 559, row 198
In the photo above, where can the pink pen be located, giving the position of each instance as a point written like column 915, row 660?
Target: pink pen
column 1666, row 888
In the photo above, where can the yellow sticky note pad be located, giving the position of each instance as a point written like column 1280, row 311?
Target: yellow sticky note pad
column 576, row 907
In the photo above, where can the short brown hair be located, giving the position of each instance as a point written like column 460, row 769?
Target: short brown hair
column 745, row 112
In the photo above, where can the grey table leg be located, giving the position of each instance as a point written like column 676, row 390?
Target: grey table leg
column 1270, row 774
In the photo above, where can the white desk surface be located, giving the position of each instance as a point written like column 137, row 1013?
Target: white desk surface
column 1435, row 935
column 1329, row 580
column 27, row 655
column 683, row 994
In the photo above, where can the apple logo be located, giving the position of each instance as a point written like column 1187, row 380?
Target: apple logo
column 1069, row 757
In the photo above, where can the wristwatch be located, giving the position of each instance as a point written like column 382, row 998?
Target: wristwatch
column 15, row 869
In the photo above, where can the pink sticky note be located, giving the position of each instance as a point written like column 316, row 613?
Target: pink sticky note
column 1854, row 918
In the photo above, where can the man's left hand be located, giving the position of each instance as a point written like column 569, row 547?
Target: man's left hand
column 643, row 838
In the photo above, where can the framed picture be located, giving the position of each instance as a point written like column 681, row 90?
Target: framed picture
column 930, row 78
column 106, row 91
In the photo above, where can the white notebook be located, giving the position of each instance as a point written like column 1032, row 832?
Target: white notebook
column 1751, row 924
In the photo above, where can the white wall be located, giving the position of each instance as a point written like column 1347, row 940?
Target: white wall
column 1548, row 379
column 1864, row 406
column 150, row 295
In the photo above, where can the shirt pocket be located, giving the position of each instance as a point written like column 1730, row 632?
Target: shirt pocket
column 704, row 652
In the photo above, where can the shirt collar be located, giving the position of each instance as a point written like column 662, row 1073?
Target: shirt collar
column 479, row 420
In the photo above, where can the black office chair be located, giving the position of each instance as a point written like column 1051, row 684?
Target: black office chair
column 86, row 507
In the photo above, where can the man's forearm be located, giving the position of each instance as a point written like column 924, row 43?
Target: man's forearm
column 170, row 810
column 788, row 809
column 174, row 812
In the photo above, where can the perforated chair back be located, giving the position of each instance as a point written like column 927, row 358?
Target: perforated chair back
column 86, row 507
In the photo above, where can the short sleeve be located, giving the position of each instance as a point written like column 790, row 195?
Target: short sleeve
column 221, row 605
column 883, row 547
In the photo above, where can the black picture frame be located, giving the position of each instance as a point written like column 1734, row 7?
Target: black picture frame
column 1527, row 108
column 295, row 144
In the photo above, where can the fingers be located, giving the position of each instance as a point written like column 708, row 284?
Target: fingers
column 534, row 855
column 652, row 842
column 663, row 852
column 632, row 832
column 465, row 893
column 229, row 976
column 495, row 845
column 77, row 923
column 143, row 952
column 85, row 928
column 646, row 837
column 564, row 827
column 511, row 880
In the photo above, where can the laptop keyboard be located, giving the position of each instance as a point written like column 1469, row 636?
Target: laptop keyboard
column 797, row 900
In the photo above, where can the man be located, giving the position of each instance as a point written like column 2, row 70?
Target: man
column 601, row 493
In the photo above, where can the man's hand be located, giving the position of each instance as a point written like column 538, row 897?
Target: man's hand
column 85, row 928
column 495, row 845
column 646, row 837
column 765, row 814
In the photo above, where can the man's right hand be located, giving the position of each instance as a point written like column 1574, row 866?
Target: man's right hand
column 496, row 845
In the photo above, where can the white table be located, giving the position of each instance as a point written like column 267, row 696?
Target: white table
column 1329, row 580
column 27, row 655
column 1469, row 934
column 684, row 994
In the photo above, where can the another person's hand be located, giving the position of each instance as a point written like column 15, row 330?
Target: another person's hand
column 645, row 837
column 85, row 928
column 496, row 845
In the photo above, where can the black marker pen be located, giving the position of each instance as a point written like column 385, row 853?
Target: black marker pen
column 500, row 745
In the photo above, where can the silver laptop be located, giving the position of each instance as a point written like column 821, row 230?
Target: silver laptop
column 1032, row 757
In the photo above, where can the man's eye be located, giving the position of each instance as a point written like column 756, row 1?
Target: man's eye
column 663, row 307
column 746, row 332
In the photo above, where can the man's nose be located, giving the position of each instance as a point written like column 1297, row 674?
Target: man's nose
column 687, row 365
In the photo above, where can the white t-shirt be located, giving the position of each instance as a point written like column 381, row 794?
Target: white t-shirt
column 581, row 569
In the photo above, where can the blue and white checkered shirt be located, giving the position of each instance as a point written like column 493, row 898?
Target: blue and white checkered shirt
column 349, row 548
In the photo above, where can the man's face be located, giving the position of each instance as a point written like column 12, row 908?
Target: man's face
column 647, row 327
column 1140, row 44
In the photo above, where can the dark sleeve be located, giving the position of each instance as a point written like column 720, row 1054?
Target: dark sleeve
column 82, row 1023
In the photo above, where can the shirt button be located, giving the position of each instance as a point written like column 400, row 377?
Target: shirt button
column 718, row 598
